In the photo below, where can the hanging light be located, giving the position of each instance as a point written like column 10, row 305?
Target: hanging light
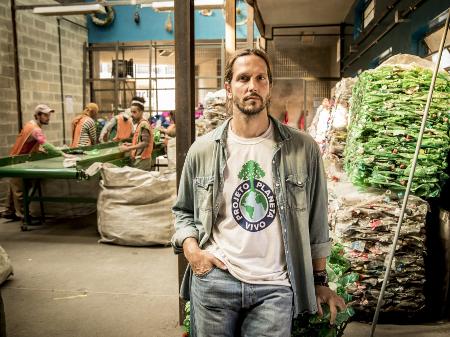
column 70, row 10
column 161, row 6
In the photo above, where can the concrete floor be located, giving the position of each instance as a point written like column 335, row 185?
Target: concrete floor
column 68, row 285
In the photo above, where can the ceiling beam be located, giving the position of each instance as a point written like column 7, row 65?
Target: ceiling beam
column 258, row 18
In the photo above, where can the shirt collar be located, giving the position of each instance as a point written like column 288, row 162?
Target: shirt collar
column 281, row 132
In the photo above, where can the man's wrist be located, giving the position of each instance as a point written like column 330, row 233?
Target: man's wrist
column 190, row 246
column 320, row 278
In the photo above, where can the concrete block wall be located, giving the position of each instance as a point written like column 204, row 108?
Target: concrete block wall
column 38, row 52
column 290, row 62
column 40, row 71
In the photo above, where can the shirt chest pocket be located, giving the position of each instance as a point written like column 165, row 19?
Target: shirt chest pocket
column 296, row 192
column 204, row 193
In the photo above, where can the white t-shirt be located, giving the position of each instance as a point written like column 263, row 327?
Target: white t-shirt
column 247, row 234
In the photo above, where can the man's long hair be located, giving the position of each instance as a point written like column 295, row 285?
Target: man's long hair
column 247, row 52
column 229, row 69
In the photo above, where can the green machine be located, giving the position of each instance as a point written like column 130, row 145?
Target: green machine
column 34, row 167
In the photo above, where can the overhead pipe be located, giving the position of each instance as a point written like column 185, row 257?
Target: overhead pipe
column 310, row 34
column 61, row 77
column 61, row 81
column 411, row 176
column 337, row 25
column 81, row 3
column 16, row 66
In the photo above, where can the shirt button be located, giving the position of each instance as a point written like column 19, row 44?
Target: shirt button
column 277, row 184
column 273, row 161
column 282, row 207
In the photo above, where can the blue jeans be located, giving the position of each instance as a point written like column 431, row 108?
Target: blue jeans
column 223, row 306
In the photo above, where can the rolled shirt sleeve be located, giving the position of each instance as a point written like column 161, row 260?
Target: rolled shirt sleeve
column 184, row 209
column 318, row 215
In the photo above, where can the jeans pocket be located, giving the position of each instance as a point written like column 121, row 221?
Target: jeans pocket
column 205, row 274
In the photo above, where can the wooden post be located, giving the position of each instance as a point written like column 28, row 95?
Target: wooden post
column 250, row 23
column 230, row 27
column 184, row 98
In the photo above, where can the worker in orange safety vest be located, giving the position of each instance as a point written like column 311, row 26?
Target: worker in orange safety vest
column 142, row 145
column 118, row 128
column 31, row 139
column 84, row 131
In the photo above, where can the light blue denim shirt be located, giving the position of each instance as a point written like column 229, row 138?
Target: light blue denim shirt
column 301, row 194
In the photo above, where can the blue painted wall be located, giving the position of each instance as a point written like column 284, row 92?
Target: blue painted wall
column 152, row 26
column 404, row 38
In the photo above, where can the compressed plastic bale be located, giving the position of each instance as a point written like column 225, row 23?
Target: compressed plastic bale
column 386, row 113
column 364, row 222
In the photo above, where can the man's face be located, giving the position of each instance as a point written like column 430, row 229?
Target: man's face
column 249, row 89
column 136, row 114
column 43, row 118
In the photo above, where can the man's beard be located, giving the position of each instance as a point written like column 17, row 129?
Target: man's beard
column 251, row 110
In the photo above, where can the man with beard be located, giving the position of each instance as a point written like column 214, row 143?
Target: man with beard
column 142, row 144
column 30, row 140
column 251, row 217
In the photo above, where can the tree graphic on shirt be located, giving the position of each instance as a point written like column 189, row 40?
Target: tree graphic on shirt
column 251, row 171
column 253, row 198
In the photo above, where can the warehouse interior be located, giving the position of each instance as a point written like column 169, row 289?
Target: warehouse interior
column 90, row 252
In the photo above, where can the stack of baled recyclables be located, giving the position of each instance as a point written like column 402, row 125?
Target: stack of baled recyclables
column 386, row 110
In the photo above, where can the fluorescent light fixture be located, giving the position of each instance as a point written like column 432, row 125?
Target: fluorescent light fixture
column 70, row 10
column 162, row 6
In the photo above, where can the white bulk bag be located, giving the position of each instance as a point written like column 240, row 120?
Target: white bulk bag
column 134, row 206
column 6, row 269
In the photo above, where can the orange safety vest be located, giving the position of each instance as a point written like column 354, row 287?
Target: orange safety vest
column 77, row 126
column 22, row 138
column 124, row 128
column 147, row 153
